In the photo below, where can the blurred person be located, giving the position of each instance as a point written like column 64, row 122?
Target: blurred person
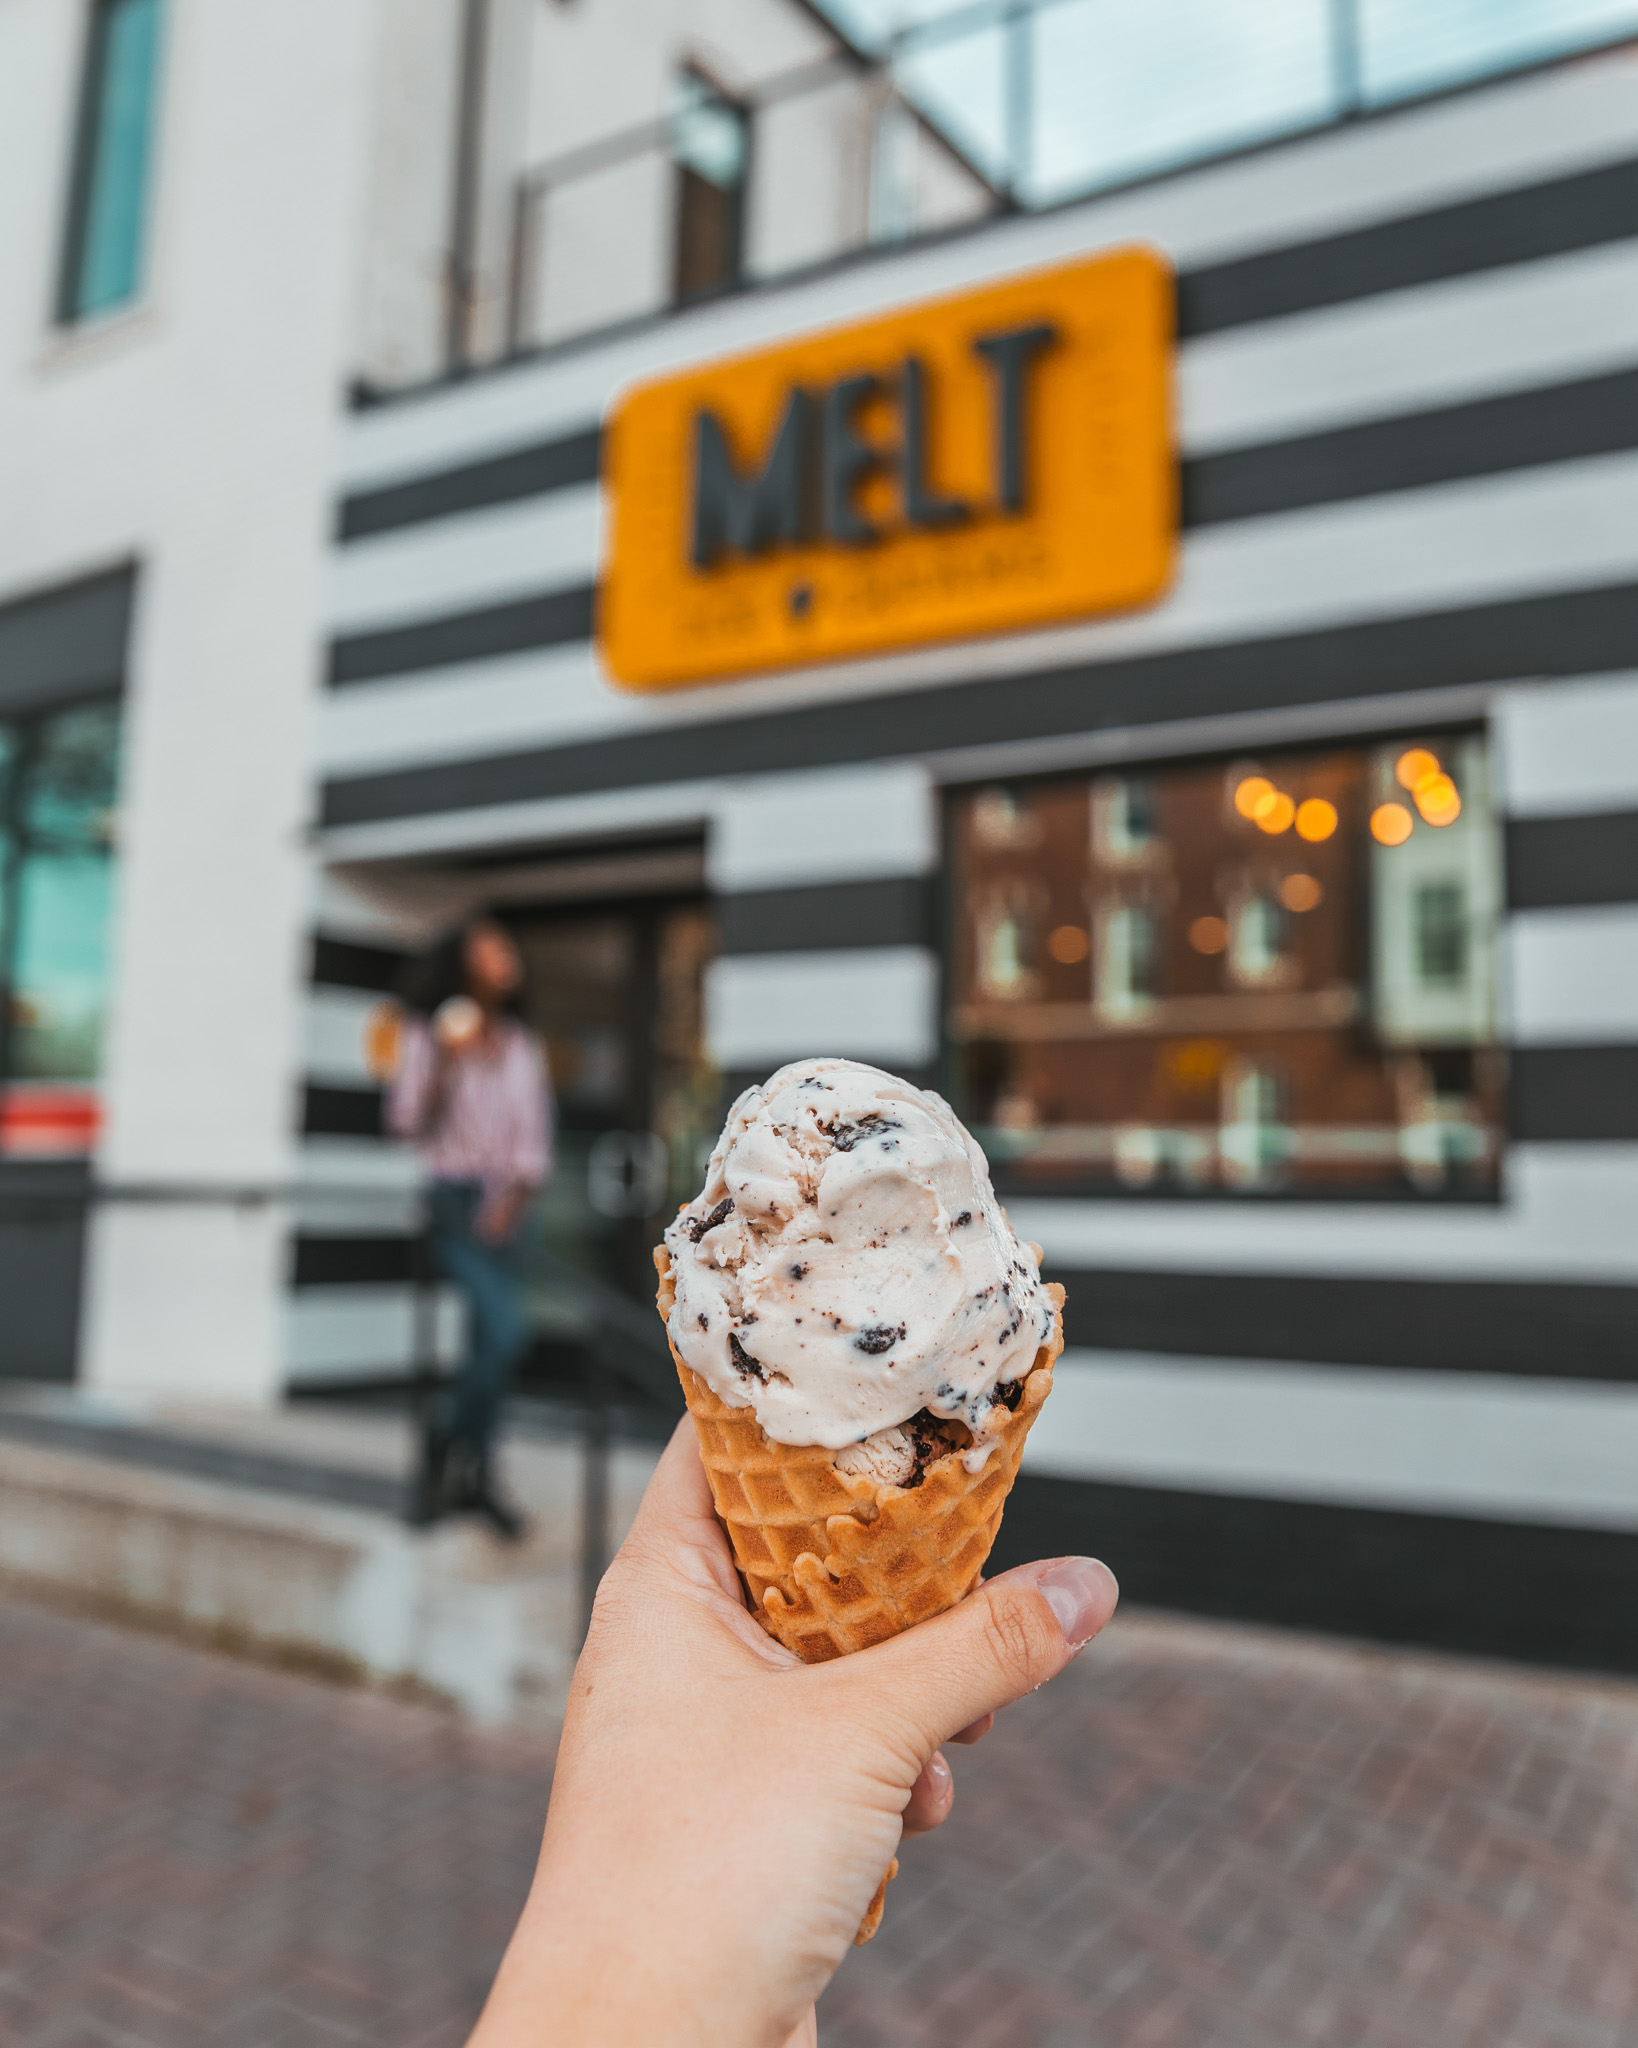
column 472, row 1089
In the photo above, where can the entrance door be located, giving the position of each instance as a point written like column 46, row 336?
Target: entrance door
column 616, row 994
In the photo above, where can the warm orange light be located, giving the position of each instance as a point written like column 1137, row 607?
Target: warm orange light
column 1197, row 1063
column 1391, row 824
column 1301, row 892
column 1437, row 800
column 1316, row 819
column 1250, row 793
column 1068, row 943
column 1414, row 766
column 383, row 1040
column 1275, row 812
column 1208, row 935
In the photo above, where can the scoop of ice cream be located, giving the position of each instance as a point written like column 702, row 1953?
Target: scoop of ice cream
column 847, row 1266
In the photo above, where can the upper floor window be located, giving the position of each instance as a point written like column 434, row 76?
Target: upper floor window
column 711, row 146
column 102, row 254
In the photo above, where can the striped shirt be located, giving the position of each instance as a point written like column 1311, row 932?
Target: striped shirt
column 496, row 1123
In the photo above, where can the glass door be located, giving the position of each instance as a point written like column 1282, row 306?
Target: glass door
column 616, row 994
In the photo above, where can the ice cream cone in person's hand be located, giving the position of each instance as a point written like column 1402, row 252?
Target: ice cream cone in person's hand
column 863, row 1345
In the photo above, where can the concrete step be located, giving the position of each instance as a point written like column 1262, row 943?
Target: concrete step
column 278, row 1533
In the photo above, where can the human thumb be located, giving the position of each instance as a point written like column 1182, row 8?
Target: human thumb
column 1003, row 1640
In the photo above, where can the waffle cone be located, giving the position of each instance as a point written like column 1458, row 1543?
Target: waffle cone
column 833, row 1562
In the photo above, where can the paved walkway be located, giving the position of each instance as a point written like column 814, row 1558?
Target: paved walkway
column 1203, row 1838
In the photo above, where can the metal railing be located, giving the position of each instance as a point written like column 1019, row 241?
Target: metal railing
column 994, row 105
column 624, row 1352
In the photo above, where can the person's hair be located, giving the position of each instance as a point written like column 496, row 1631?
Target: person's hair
column 438, row 972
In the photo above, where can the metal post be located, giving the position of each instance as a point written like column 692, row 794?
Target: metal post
column 466, row 206
column 1018, row 114
column 520, row 283
column 1346, row 80
column 594, row 1491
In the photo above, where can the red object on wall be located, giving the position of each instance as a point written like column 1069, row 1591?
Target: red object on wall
column 42, row 1121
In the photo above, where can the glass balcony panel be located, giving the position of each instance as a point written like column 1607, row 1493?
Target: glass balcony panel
column 1416, row 46
column 1120, row 91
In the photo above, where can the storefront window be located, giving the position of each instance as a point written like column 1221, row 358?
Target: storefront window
column 57, row 792
column 1253, row 975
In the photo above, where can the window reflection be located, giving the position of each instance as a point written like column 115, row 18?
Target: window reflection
column 1226, row 975
column 58, row 784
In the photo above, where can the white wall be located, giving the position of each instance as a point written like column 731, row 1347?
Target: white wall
column 194, row 432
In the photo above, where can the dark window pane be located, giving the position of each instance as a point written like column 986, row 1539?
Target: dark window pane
column 710, row 142
column 1441, row 934
column 104, row 254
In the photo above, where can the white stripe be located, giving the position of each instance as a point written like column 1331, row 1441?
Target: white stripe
column 1453, row 1443
column 475, row 559
column 334, row 1048
column 352, row 1186
column 1569, row 747
column 1571, row 1213
column 1568, row 525
column 871, row 1003
column 1574, row 975
column 1539, row 128
column 829, row 825
column 541, row 697
column 333, row 1332
column 1411, row 351
column 684, row 804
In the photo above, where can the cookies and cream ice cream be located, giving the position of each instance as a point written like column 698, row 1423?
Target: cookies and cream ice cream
column 848, row 1274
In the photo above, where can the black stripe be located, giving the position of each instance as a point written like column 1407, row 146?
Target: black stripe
column 1574, row 1093
column 340, row 1112
column 1503, row 228
column 1488, row 437
column 549, row 621
column 1595, row 416
column 499, row 480
column 65, row 643
column 1540, row 1593
column 1558, row 863
column 1576, row 632
column 356, row 1261
column 1582, row 1330
column 1581, row 211
column 350, row 963
column 827, row 916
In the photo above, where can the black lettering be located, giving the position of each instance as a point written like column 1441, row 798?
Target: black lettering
column 1009, row 355
column 750, row 513
column 848, row 460
column 922, row 507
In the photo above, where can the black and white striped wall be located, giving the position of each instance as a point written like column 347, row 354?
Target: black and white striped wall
column 1408, row 404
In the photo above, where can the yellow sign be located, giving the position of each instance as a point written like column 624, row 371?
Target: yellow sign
column 979, row 464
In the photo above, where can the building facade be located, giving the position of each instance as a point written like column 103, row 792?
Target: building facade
column 215, row 223
column 1276, row 926
column 1278, row 934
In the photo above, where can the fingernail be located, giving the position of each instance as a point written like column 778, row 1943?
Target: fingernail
column 939, row 1780
column 1081, row 1593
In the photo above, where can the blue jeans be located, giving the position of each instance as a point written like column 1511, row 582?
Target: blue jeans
column 498, row 1330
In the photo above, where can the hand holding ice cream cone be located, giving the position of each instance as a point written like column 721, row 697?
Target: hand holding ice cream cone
column 721, row 1812
column 752, row 1731
column 864, row 1345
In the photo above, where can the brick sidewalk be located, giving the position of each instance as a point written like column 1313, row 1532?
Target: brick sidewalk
column 1202, row 1838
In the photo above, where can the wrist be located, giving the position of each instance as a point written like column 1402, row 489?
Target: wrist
column 575, row 1978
